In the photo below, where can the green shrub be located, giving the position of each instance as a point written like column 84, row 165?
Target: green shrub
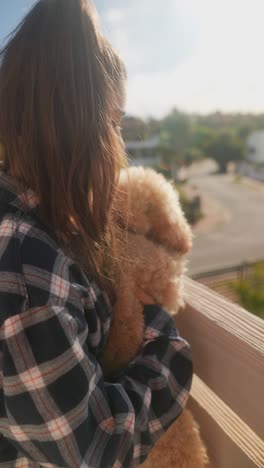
column 191, row 208
column 251, row 291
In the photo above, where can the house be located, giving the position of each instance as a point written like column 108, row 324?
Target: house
column 148, row 153
column 255, row 145
column 145, row 152
column 253, row 166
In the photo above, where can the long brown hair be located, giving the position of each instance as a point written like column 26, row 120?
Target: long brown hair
column 61, row 85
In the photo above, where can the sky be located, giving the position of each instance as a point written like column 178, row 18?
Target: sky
column 196, row 55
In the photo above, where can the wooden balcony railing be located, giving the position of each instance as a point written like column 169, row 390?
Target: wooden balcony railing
column 227, row 395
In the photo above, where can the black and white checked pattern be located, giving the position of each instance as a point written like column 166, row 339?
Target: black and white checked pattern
column 56, row 409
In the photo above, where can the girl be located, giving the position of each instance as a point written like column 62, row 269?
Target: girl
column 61, row 101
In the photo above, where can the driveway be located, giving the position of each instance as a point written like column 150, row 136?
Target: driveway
column 241, row 237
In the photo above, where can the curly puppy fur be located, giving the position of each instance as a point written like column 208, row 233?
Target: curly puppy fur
column 154, row 209
column 153, row 241
column 180, row 447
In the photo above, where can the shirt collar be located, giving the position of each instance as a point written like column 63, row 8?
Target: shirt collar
column 14, row 193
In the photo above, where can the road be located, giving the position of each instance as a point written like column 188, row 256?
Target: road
column 241, row 237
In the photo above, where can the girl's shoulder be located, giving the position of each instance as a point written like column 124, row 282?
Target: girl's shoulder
column 26, row 244
column 34, row 270
column 27, row 233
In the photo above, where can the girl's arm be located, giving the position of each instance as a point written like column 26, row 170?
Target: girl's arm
column 58, row 408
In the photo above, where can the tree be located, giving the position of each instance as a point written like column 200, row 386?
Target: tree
column 175, row 136
column 244, row 131
column 153, row 127
column 224, row 147
column 200, row 136
column 134, row 128
column 193, row 155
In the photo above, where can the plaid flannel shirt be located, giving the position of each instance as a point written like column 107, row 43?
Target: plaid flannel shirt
column 56, row 409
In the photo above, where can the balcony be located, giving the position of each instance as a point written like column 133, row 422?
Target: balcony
column 227, row 395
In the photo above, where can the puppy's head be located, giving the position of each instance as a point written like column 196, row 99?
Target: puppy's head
column 146, row 203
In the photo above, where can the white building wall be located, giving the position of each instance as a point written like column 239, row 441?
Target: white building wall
column 144, row 153
column 255, row 144
column 248, row 170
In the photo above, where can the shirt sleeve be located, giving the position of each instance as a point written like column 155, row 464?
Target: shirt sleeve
column 158, row 381
column 58, row 408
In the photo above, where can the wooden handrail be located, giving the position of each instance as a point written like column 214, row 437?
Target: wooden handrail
column 238, row 446
column 228, row 351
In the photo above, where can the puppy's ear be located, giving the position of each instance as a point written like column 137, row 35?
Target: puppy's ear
column 167, row 223
column 175, row 237
column 184, row 236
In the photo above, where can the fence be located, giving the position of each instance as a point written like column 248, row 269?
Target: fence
column 241, row 271
column 230, row 283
